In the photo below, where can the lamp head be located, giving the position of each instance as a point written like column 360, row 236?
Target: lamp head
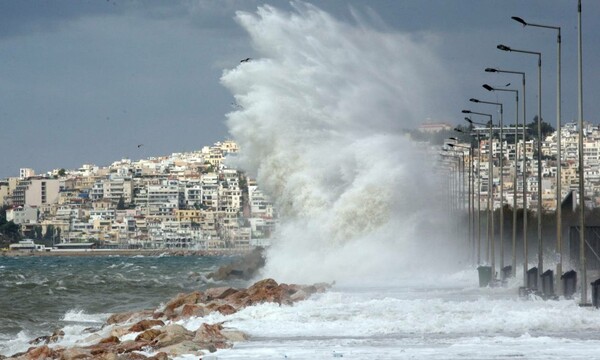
column 473, row 100
column 490, row 70
column 453, row 139
column 458, row 130
column 519, row 20
column 469, row 120
column 487, row 87
column 466, row 111
column 503, row 47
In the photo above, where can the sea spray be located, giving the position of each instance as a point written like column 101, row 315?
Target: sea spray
column 320, row 118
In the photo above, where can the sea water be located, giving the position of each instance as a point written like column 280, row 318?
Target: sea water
column 39, row 295
column 439, row 316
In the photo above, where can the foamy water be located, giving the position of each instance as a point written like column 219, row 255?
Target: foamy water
column 453, row 321
column 320, row 118
column 438, row 316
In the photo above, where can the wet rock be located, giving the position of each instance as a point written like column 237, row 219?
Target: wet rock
column 245, row 267
column 211, row 336
column 119, row 331
column 192, row 310
column 172, row 334
column 120, row 317
column 219, row 293
column 109, row 340
column 47, row 339
column 181, row 299
column 145, row 325
column 159, row 356
column 268, row 290
column 234, row 336
column 131, row 345
column 226, row 309
column 148, row 335
column 75, row 354
column 40, row 353
column 184, row 347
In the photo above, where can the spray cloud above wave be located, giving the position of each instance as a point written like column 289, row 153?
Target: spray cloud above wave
column 319, row 123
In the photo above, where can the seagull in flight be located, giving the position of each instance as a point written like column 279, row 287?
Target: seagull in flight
column 140, row 145
column 245, row 60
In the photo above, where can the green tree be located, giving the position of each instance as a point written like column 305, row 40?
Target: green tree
column 121, row 204
column 547, row 129
column 61, row 172
column 49, row 232
column 37, row 232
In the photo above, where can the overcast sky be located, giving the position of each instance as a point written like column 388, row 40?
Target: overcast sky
column 88, row 81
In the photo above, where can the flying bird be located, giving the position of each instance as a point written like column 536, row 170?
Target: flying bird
column 245, row 60
column 140, row 145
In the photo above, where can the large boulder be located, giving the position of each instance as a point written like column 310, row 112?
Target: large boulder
column 268, row 290
column 246, row 267
column 219, row 293
column 192, row 310
column 148, row 335
column 181, row 299
column 210, row 336
column 172, row 334
column 145, row 325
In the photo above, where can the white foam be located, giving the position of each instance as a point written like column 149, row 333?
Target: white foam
column 81, row 316
column 320, row 118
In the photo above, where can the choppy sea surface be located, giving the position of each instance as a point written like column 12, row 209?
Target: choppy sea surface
column 41, row 294
column 446, row 316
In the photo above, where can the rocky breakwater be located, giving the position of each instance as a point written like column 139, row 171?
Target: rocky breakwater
column 156, row 334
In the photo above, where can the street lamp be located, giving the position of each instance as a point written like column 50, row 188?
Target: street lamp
column 539, row 155
column 582, row 263
column 490, row 189
column 514, row 220
column 478, row 194
column 470, row 180
column 524, row 168
column 558, row 146
column 501, row 166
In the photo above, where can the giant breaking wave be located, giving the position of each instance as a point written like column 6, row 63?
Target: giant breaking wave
column 320, row 118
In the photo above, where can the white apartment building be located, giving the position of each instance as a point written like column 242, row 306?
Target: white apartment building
column 36, row 192
column 25, row 173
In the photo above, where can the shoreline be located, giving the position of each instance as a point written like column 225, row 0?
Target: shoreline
column 124, row 252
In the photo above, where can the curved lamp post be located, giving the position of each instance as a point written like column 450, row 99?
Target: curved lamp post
column 582, row 263
column 524, row 168
column 539, row 155
column 478, row 195
column 514, row 220
column 470, row 180
column 501, row 166
column 558, row 145
column 490, row 191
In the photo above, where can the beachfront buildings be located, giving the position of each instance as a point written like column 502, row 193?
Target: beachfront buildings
column 569, row 167
column 184, row 200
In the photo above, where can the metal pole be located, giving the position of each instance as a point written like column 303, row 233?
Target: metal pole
column 515, row 179
column 525, row 255
column 478, row 199
column 558, row 172
column 582, row 263
column 539, row 166
column 491, row 203
column 501, row 166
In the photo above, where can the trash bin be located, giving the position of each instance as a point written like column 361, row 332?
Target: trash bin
column 506, row 272
column 569, row 280
column 548, row 283
column 532, row 278
column 485, row 275
column 596, row 293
